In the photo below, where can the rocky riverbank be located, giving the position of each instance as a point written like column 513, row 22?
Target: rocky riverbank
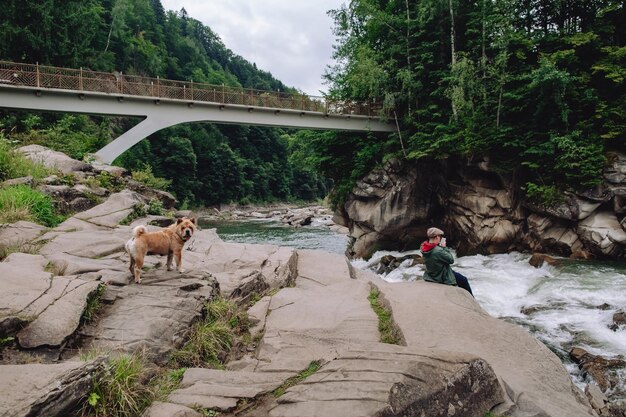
column 306, row 310
column 482, row 211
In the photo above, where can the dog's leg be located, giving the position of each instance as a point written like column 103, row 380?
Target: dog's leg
column 137, row 271
column 179, row 260
column 169, row 260
column 132, row 265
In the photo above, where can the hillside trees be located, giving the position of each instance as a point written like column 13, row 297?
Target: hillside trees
column 210, row 164
column 535, row 86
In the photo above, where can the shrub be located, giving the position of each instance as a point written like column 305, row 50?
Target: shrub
column 145, row 176
column 21, row 202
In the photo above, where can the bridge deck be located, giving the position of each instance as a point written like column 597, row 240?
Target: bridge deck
column 163, row 103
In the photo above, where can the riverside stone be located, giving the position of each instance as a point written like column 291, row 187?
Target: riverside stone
column 51, row 390
column 152, row 317
column 53, row 159
column 18, row 233
column 115, row 209
column 88, row 243
column 603, row 234
column 388, row 380
column 161, row 409
column 442, row 317
column 221, row 390
column 62, row 307
column 242, row 269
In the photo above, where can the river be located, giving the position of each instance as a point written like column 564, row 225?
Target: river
column 558, row 304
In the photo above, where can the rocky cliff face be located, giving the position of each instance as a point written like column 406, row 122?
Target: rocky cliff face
column 482, row 211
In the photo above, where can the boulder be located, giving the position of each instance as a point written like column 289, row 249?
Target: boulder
column 58, row 311
column 603, row 234
column 538, row 259
column 51, row 390
column 23, row 281
column 534, row 379
column 28, row 180
column 53, row 159
column 388, row 380
column 88, row 244
column 605, row 372
column 619, row 321
column 241, row 269
column 115, row 209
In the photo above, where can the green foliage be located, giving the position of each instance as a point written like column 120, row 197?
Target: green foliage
column 386, row 327
column 210, row 164
column 155, row 207
column 15, row 165
column 21, row 202
column 145, row 176
column 93, row 304
column 139, row 210
column 210, row 338
column 539, row 92
column 121, row 391
column 313, row 367
column 546, row 195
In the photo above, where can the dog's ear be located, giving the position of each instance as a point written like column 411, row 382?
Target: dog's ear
column 193, row 220
column 179, row 220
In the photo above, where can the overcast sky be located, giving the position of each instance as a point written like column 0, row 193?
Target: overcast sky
column 292, row 39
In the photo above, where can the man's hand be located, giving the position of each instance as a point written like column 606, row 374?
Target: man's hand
column 443, row 242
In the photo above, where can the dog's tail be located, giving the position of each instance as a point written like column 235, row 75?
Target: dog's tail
column 138, row 231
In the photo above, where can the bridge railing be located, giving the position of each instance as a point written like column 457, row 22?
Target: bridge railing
column 41, row 76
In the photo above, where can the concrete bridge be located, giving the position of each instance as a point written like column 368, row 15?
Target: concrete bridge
column 163, row 103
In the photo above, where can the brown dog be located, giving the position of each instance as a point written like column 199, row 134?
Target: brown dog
column 168, row 241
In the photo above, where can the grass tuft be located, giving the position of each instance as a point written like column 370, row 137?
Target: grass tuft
column 302, row 375
column 388, row 332
column 121, row 391
column 211, row 339
column 93, row 304
column 20, row 202
column 14, row 165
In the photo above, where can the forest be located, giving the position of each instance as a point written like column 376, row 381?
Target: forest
column 536, row 87
column 206, row 164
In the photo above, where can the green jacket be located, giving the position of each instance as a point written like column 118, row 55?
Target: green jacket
column 437, row 261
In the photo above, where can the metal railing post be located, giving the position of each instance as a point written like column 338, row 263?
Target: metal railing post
column 223, row 94
column 37, row 66
column 192, row 90
column 80, row 79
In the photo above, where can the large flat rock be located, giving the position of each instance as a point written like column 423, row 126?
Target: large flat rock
column 242, row 268
column 50, row 390
column 115, row 209
column 58, row 312
column 152, row 317
column 88, row 244
column 222, row 390
column 389, row 380
column 19, row 233
column 440, row 317
column 303, row 325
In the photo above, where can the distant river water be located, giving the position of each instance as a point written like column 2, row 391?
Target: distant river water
column 561, row 303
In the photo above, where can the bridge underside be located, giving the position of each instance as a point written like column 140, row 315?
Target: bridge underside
column 161, row 113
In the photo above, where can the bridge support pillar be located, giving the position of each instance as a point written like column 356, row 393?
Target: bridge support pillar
column 128, row 139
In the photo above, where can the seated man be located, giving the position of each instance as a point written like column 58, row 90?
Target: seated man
column 437, row 260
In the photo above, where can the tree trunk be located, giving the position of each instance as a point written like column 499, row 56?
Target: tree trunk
column 453, row 50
